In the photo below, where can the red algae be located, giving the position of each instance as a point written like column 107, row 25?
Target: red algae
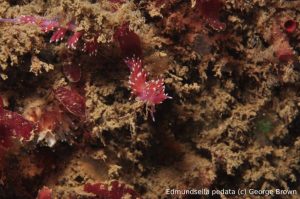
column 71, row 100
column 45, row 193
column 283, row 50
column 129, row 41
column 72, row 72
column 14, row 125
column 114, row 190
column 290, row 25
column 210, row 10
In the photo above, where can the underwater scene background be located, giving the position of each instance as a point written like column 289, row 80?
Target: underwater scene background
column 149, row 99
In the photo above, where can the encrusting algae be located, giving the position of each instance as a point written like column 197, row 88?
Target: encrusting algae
column 132, row 99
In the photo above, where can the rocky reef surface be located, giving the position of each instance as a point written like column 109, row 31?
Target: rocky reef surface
column 126, row 99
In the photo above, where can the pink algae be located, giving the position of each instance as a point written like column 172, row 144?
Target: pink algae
column 210, row 10
column 45, row 193
column 72, row 72
column 114, row 190
column 129, row 41
column 72, row 101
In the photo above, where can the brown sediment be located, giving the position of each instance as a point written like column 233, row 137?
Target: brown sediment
column 232, row 121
